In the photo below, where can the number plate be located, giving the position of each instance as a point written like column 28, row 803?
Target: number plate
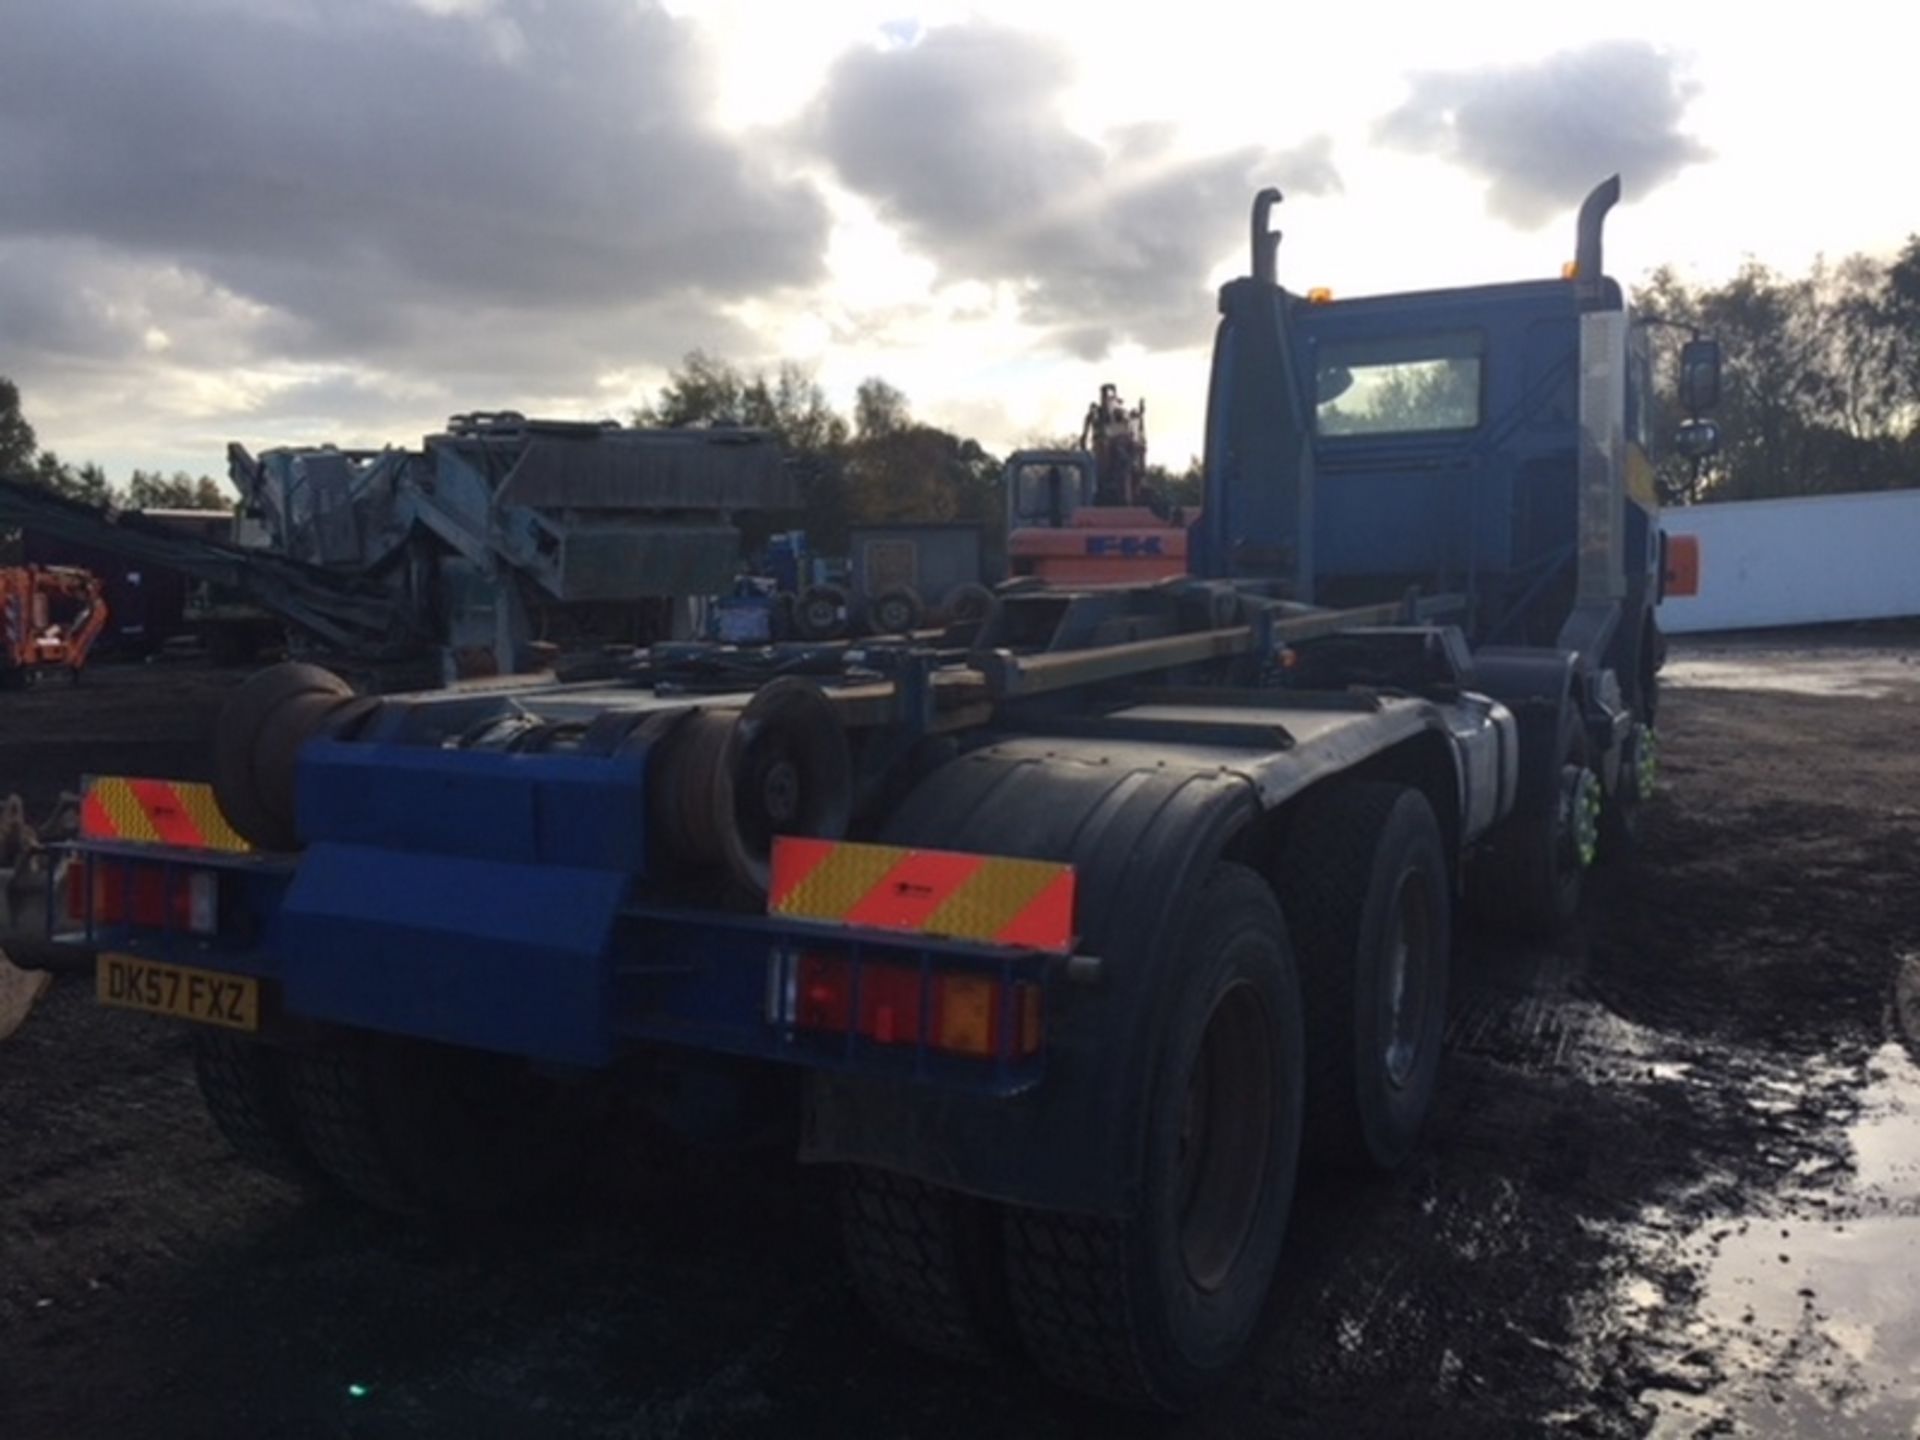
column 178, row 990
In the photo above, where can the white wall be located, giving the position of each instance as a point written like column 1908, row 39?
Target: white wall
column 1802, row 561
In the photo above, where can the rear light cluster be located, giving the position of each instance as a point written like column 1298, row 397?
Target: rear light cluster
column 960, row 1013
column 130, row 892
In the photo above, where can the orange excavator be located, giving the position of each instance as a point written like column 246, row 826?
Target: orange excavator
column 50, row 615
column 1087, row 516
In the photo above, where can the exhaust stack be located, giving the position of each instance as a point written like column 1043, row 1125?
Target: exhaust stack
column 1266, row 240
column 1588, row 270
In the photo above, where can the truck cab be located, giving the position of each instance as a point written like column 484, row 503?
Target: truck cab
column 1446, row 437
column 1487, row 447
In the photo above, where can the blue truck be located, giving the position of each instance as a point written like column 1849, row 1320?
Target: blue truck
column 1067, row 935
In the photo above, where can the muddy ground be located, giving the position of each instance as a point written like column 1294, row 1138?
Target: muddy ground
column 1673, row 1187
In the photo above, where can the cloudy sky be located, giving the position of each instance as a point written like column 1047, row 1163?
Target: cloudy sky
column 302, row 220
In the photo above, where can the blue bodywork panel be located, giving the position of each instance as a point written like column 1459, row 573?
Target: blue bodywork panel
column 464, row 896
column 586, row 811
column 487, row 953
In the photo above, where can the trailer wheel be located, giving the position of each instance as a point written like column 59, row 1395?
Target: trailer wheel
column 969, row 603
column 820, row 613
column 423, row 1130
column 926, row 1262
column 1364, row 883
column 1529, row 877
column 1156, row 1309
column 895, row 611
column 244, row 1086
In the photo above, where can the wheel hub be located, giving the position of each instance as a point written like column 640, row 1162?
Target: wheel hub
column 780, row 792
column 1405, row 991
column 1646, row 761
column 1581, row 800
column 1225, row 1126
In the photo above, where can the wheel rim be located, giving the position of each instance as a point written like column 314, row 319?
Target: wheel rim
column 1405, row 992
column 1224, row 1136
column 1581, row 801
column 1646, row 762
column 819, row 614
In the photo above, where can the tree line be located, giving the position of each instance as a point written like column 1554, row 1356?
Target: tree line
column 1820, row 389
column 879, row 465
column 22, row 457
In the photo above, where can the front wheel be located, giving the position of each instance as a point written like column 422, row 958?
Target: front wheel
column 1621, row 815
column 1157, row 1309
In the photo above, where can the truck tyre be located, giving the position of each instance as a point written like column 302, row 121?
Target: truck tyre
column 1365, row 886
column 895, row 611
column 926, row 1262
column 969, row 603
column 1529, row 876
column 1156, row 1309
column 244, row 1085
column 433, row 1131
column 820, row 613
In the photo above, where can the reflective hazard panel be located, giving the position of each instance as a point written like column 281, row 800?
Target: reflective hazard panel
column 991, row 898
column 156, row 812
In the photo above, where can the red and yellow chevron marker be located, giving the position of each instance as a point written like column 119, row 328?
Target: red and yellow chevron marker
column 994, row 898
column 156, row 812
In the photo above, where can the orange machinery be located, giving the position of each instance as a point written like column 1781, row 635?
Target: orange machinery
column 1087, row 516
column 50, row 615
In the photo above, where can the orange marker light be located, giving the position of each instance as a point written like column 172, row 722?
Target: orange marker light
column 1319, row 295
column 966, row 1006
column 1570, row 270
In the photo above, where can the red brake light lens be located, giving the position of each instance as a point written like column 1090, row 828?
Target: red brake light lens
column 962, row 1012
column 154, row 897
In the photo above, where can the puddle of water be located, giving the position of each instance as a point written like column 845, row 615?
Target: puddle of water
column 1862, row 674
column 1815, row 1324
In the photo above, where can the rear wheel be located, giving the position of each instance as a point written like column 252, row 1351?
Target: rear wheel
column 895, row 611
column 1529, row 876
column 1157, row 1309
column 244, row 1085
column 1364, row 882
column 820, row 613
column 419, row 1129
column 926, row 1262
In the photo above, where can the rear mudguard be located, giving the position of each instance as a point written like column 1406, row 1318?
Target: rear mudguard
column 1140, row 840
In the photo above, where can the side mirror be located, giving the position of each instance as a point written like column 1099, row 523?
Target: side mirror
column 1699, row 376
column 1332, row 382
column 1697, row 440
